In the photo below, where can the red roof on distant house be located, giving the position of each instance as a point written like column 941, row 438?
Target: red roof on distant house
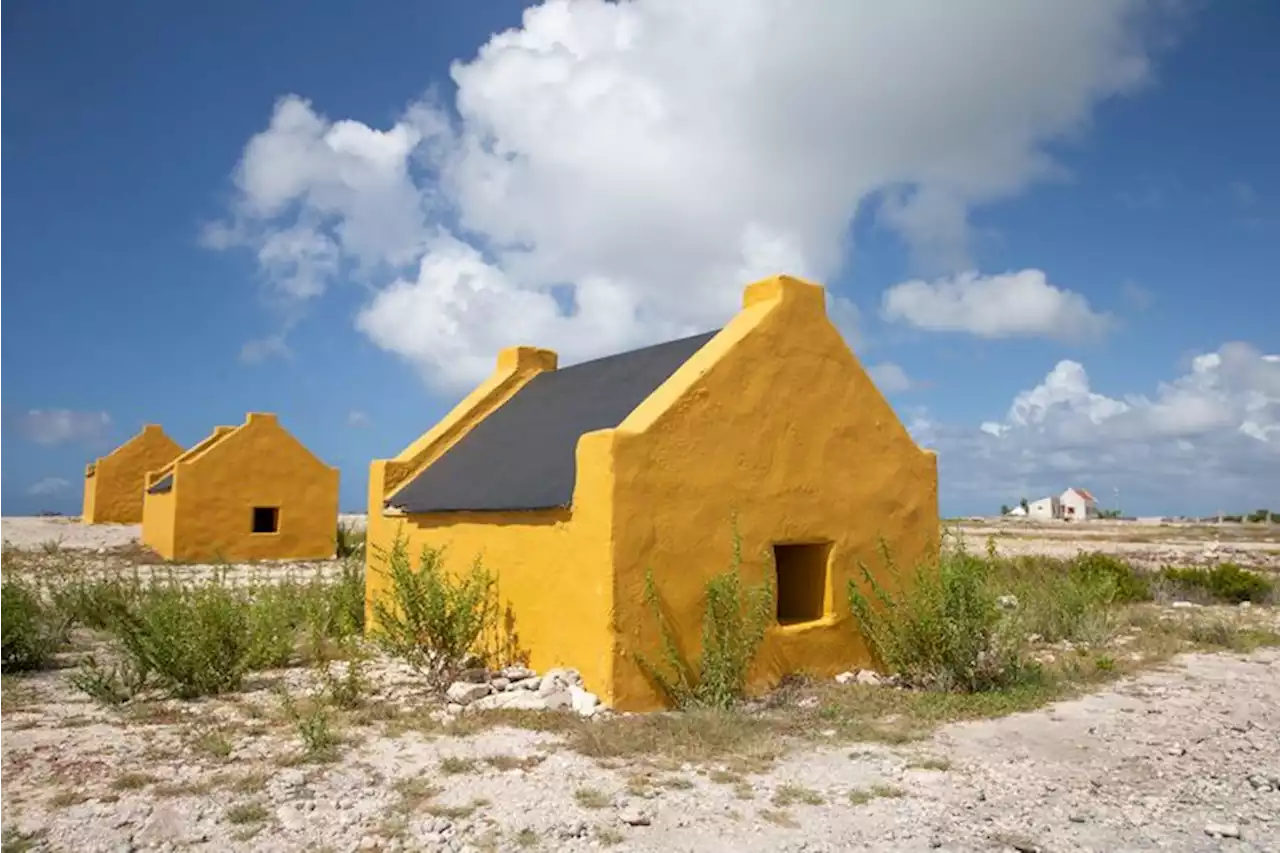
column 1084, row 493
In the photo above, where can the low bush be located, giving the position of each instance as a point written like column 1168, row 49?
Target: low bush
column 430, row 618
column 193, row 638
column 735, row 619
column 32, row 630
column 941, row 628
column 348, row 541
column 1224, row 582
column 1115, row 579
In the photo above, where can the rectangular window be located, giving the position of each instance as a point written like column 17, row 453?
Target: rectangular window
column 266, row 519
column 801, row 581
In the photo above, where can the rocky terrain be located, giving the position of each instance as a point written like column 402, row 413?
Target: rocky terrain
column 1183, row 757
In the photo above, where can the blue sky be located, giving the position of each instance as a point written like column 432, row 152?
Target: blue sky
column 307, row 208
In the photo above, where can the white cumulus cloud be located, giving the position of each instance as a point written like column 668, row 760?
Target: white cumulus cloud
column 890, row 378
column 1209, row 438
column 61, row 426
column 611, row 174
column 48, row 486
column 1015, row 304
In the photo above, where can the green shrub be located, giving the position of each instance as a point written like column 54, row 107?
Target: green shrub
column 108, row 686
column 32, row 630
column 313, row 724
column 941, row 629
column 336, row 608
column 1225, row 582
column 431, row 619
column 347, row 690
column 735, row 619
column 93, row 601
column 348, row 542
column 1115, row 579
column 193, row 640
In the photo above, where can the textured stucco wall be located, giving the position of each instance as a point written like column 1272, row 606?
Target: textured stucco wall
column 215, row 491
column 774, row 421
column 158, row 523
column 554, row 578
column 113, row 492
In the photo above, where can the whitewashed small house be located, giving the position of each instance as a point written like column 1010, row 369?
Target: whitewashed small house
column 1045, row 509
column 1078, row 505
column 1016, row 512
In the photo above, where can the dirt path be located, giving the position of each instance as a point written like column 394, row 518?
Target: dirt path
column 1155, row 763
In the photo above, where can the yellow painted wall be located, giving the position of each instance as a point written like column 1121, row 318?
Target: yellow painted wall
column 208, row 514
column 157, row 523
column 553, row 569
column 113, row 484
column 774, row 422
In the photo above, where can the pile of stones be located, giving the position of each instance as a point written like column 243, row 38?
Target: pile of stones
column 519, row 688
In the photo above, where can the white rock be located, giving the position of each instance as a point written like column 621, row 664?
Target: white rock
column 1007, row 602
column 558, row 701
column 518, row 673
column 583, row 703
column 846, row 677
column 1183, row 604
column 1222, row 830
column 633, row 816
column 515, row 700
column 291, row 818
column 466, row 692
column 531, row 683
column 866, row 676
column 499, row 683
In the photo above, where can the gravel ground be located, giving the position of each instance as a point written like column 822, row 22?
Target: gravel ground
column 1185, row 759
column 38, row 531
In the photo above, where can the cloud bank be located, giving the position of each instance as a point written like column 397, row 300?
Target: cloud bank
column 609, row 175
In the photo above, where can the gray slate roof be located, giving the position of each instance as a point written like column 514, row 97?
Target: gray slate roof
column 522, row 455
column 164, row 484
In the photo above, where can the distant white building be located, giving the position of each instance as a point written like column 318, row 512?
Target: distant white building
column 1017, row 511
column 1045, row 508
column 1078, row 505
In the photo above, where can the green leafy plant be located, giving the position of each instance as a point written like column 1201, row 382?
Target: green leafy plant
column 1225, row 582
column 1113, row 579
column 735, row 618
column 940, row 629
column 31, row 631
column 348, row 689
column 348, row 541
column 108, row 686
column 193, row 640
column 313, row 722
column 431, row 619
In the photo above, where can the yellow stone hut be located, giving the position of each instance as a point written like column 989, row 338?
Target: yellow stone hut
column 251, row 492
column 572, row 484
column 113, row 484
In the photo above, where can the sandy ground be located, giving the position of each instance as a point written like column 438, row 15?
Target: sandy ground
column 1151, row 546
column 1173, row 760
column 69, row 533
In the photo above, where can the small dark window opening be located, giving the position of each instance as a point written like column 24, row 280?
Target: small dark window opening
column 266, row 519
column 801, row 581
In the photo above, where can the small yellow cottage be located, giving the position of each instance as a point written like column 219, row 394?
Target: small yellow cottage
column 571, row 484
column 113, row 484
column 244, row 493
